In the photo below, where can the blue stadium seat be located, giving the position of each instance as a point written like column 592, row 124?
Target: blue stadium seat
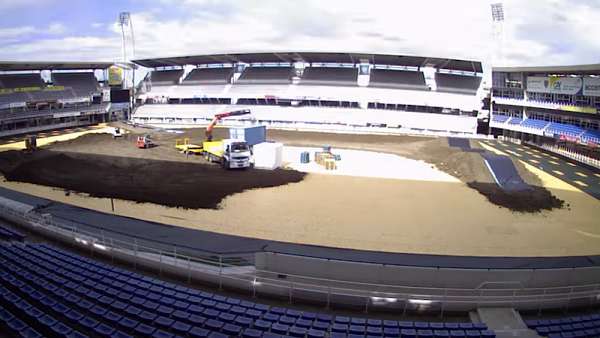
column 296, row 331
column 279, row 328
column 425, row 333
column 231, row 329
column 163, row 322
column 162, row 334
column 213, row 324
column 457, row 334
column 199, row 332
column 337, row 335
column 357, row 329
column 244, row 322
column 408, row 333
column 128, row 323
column 196, row 320
column 181, row 327
column 32, row 333
column 271, row 317
column 313, row 333
column 144, row 329
column 104, row 330
column 488, row 334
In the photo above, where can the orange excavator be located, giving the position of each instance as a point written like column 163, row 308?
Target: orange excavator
column 220, row 116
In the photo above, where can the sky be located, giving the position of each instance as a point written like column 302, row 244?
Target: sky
column 535, row 32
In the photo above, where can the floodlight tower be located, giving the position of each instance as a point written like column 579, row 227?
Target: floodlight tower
column 128, row 40
column 498, row 31
column 128, row 45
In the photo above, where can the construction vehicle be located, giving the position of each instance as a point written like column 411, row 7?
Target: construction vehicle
column 116, row 132
column 230, row 153
column 144, row 142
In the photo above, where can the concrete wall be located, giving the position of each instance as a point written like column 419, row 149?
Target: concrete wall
column 426, row 277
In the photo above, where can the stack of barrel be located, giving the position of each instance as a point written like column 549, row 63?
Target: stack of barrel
column 305, row 157
column 325, row 159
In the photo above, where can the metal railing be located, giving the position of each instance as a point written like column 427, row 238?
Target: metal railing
column 214, row 268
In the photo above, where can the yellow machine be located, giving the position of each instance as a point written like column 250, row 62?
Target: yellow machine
column 184, row 146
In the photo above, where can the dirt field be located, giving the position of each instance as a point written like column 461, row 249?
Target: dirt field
column 187, row 185
column 357, row 212
column 146, row 175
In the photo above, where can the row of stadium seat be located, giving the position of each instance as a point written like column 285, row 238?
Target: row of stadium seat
column 570, row 130
column 397, row 79
column 14, row 114
column 567, row 327
column 386, row 78
column 10, row 234
column 89, row 296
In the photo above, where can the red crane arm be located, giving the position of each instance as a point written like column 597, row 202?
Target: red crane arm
column 219, row 116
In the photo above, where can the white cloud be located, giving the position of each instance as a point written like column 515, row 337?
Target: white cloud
column 12, row 4
column 6, row 33
column 56, row 28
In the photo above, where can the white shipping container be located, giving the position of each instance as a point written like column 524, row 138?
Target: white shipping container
column 268, row 155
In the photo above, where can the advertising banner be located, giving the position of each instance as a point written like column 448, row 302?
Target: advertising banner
column 554, row 84
column 115, row 76
column 591, row 86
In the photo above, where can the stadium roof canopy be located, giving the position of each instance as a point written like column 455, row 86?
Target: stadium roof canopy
column 575, row 69
column 34, row 65
column 325, row 57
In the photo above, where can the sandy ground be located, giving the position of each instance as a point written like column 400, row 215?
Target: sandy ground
column 376, row 214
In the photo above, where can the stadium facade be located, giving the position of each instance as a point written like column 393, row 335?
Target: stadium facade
column 71, row 96
column 347, row 92
column 551, row 107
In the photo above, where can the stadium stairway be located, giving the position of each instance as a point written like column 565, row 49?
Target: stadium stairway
column 506, row 322
column 49, row 292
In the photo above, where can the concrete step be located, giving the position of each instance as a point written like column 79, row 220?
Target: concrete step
column 506, row 322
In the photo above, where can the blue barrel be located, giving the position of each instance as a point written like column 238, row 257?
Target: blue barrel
column 305, row 157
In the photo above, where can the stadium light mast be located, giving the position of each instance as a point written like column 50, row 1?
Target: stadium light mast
column 498, row 31
column 128, row 43
column 128, row 40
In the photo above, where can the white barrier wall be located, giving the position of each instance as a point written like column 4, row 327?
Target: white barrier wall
column 356, row 94
column 180, row 114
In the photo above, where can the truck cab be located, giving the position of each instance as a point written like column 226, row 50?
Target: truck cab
column 236, row 154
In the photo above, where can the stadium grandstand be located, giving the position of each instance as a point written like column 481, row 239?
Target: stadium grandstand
column 327, row 91
column 71, row 96
column 556, row 108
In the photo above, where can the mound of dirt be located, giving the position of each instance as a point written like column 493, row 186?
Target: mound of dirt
column 174, row 184
column 531, row 200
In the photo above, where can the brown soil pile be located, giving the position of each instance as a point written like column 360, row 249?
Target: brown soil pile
column 187, row 185
column 532, row 200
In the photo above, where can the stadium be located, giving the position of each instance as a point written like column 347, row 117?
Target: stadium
column 379, row 195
